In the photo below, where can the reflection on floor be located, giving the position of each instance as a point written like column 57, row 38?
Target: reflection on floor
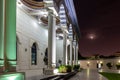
column 88, row 74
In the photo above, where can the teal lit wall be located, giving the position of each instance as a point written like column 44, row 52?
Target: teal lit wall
column 10, row 28
column 10, row 34
column 1, row 33
column 13, row 76
column 7, row 33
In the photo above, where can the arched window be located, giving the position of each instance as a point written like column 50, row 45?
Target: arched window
column 34, row 54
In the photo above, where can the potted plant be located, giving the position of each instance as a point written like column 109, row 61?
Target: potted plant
column 45, row 60
column 76, row 67
column 62, row 69
column 69, row 68
column 109, row 65
column 118, row 65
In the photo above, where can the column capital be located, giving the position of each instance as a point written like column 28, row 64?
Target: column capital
column 70, row 39
column 51, row 12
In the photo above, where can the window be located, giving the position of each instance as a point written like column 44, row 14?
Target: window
column 34, row 54
column 46, row 57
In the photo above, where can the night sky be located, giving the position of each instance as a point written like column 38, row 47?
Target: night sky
column 99, row 22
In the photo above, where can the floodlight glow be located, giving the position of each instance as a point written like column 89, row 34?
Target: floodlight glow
column 60, row 35
column 99, row 65
column 12, row 76
column 55, row 71
column 88, row 62
column 35, row 25
column 78, row 62
column 48, row 1
column 101, row 62
column 118, row 71
column 119, row 61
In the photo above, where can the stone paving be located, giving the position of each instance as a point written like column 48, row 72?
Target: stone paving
column 88, row 75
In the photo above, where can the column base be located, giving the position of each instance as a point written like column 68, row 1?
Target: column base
column 12, row 69
column 1, row 69
column 48, row 71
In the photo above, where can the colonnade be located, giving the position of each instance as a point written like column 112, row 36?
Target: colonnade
column 52, row 44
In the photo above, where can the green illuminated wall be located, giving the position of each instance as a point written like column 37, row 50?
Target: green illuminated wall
column 10, row 35
column 12, row 76
column 1, row 33
column 7, row 33
column 10, row 28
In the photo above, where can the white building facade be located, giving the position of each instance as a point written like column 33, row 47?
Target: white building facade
column 31, row 34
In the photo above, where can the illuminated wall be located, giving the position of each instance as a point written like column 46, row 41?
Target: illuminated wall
column 1, row 33
column 8, row 33
column 10, row 30
column 12, row 76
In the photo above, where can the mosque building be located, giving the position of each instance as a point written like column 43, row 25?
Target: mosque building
column 37, row 35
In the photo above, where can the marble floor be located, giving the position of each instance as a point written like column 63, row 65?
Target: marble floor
column 88, row 75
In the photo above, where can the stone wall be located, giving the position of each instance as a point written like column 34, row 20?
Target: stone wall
column 29, row 31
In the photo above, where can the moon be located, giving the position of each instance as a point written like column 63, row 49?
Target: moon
column 91, row 36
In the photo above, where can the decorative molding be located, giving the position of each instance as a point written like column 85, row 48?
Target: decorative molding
column 45, row 20
column 34, row 4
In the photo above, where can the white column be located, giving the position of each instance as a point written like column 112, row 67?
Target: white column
column 71, row 52
column 51, row 40
column 64, row 48
column 74, row 46
column 77, row 54
column 74, row 54
column 67, row 56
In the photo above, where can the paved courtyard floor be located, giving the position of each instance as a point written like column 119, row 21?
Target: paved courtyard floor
column 88, row 75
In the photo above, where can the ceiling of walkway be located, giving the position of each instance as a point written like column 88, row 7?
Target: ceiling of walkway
column 35, row 5
column 37, row 9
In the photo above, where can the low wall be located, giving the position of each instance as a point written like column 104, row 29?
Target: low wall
column 101, row 63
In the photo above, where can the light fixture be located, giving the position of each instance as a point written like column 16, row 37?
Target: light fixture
column 119, row 61
column 55, row 71
column 88, row 62
column 101, row 62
